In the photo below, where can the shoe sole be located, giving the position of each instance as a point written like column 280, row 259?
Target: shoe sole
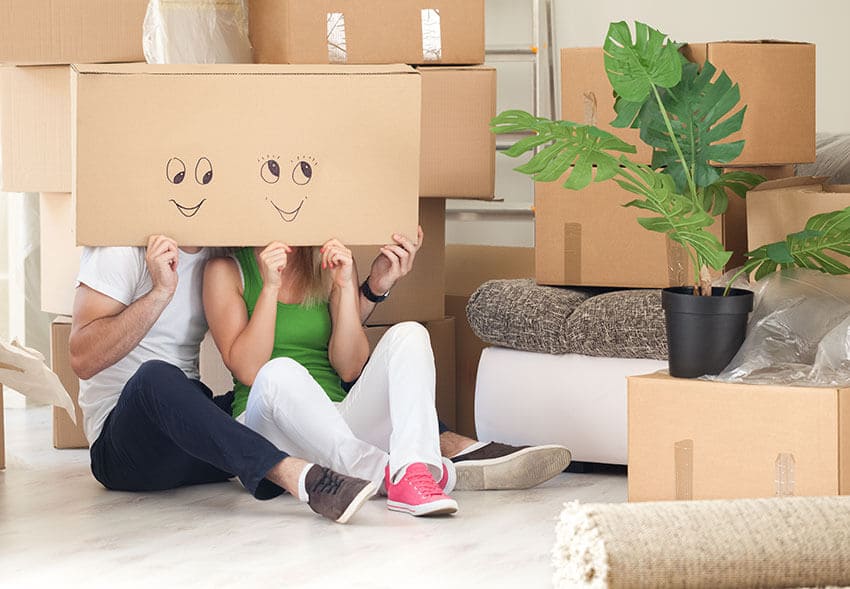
column 362, row 497
column 451, row 481
column 441, row 507
column 523, row 469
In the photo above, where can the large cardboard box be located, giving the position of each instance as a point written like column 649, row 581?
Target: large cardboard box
column 458, row 149
column 245, row 154
column 35, row 117
column 42, row 32
column 65, row 433
column 587, row 238
column 777, row 82
column 378, row 31
column 419, row 296
column 695, row 439
column 467, row 268
column 442, row 334
column 60, row 257
column 778, row 208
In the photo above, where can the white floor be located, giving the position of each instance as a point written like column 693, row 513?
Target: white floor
column 58, row 527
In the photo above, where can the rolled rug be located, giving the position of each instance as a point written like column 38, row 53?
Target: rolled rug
column 782, row 542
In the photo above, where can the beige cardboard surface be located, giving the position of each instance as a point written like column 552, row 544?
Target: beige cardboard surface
column 35, row 117
column 214, row 373
column 377, row 31
column 728, row 438
column 45, row 32
column 442, row 334
column 245, row 154
column 65, row 433
column 458, row 149
column 60, row 257
column 419, row 296
column 2, row 432
column 468, row 267
column 777, row 82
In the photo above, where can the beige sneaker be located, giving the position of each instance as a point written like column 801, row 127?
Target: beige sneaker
column 500, row 466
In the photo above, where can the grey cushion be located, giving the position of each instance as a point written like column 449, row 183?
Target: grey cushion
column 833, row 159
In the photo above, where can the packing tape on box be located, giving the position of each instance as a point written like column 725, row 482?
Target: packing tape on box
column 432, row 35
column 784, row 468
column 678, row 264
column 591, row 108
column 572, row 253
column 683, row 459
column 337, row 50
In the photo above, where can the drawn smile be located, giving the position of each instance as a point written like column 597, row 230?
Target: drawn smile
column 188, row 211
column 288, row 216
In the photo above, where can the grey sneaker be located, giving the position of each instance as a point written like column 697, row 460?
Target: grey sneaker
column 500, row 466
column 336, row 496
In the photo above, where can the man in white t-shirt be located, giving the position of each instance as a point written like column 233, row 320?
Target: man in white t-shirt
column 137, row 327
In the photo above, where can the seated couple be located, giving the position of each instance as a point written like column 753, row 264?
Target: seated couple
column 311, row 413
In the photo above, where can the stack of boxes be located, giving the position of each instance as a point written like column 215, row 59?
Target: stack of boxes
column 100, row 130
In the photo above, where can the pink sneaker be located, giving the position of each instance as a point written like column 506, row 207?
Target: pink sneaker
column 417, row 493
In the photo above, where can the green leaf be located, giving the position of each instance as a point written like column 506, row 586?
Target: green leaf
column 571, row 149
column 635, row 67
column 824, row 237
column 715, row 197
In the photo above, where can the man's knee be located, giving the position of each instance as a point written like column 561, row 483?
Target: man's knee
column 155, row 377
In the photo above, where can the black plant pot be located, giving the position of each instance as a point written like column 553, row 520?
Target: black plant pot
column 704, row 333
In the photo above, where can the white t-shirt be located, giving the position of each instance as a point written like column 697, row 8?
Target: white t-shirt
column 121, row 273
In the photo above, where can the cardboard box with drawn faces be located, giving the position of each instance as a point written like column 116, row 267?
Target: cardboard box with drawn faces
column 244, row 155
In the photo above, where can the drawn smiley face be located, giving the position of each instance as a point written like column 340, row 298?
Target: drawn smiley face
column 300, row 171
column 175, row 173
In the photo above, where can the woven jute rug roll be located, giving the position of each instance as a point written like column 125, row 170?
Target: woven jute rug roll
column 783, row 542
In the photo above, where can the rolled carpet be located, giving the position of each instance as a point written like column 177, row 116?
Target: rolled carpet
column 782, row 542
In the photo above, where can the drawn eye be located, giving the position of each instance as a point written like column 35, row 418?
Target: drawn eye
column 302, row 173
column 175, row 170
column 270, row 171
column 203, row 171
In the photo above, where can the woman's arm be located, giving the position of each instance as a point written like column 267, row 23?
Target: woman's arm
column 245, row 345
column 394, row 261
column 348, row 349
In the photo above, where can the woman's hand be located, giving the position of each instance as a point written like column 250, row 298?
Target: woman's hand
column 272, row 262
column 338, row 259
column 394, row 262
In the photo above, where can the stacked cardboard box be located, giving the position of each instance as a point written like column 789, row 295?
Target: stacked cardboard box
column 2, row 433
column 585, row 239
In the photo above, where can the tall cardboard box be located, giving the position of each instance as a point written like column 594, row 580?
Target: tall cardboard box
column 696, row 439
column 467, row 268
column 458, row 149
column 777, row 83
column 442, row 334
column 379, row 31
column 236, row 155
column 65, row 433
column 419, row 296
column 2, row 432
column 587, row 238
column 776, row 209
column 35, row 116
column 42, row 32
column 60, row 257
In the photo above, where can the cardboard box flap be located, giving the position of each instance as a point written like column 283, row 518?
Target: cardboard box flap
column 795, row 182
column 760, row 42
column 241, row 69
column 462, row 68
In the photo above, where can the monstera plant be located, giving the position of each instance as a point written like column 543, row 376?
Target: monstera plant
column 686, row 112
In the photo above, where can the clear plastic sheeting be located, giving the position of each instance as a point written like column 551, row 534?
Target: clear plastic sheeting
column 197, row 31
column 799, row 332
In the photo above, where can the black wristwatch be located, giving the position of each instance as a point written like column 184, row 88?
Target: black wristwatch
column 367, row 292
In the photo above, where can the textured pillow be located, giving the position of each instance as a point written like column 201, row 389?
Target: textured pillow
column 621, row 324
column 521, row 315
column 832, row 161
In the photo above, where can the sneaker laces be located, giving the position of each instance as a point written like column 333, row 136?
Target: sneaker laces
column 329, row 483
column 422, row 480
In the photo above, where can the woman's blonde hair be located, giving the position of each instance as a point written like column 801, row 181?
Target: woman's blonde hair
column 307, row 262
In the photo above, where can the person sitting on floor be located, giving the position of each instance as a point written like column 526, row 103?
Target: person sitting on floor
column 135, row 340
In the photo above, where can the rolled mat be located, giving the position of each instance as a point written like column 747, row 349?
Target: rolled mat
column 781, row 542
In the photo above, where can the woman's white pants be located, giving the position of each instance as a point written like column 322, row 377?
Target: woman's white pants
column 389, row 414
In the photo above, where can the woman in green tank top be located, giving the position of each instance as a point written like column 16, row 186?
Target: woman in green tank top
column 287, row 323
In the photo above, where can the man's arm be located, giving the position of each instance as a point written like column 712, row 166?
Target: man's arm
column 104, row 330
column 393, row 262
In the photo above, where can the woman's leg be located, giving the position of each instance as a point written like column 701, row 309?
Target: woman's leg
column 289, row 408
column 392, row 404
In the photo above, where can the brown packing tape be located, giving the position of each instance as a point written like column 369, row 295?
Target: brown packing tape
column 683, row 457
column 591, row 108
column 678, row 264
column 572, row 253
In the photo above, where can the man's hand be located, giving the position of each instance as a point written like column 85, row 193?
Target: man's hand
column 161, row 258
column 339, row 260
column 273, row 260
column 394, row 262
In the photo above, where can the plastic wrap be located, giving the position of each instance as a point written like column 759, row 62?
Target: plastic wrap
column 798, row 334
column 196, row 31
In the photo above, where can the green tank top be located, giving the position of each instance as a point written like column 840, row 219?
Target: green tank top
column 301, row 333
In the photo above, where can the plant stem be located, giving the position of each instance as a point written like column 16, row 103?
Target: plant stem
column 744, row 270
column 681, row 155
